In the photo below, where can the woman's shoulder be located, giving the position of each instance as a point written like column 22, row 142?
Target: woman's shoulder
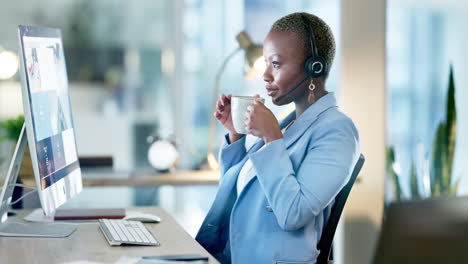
column 336, row 116
column 335, row 120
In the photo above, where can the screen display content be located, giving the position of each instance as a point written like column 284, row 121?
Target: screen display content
column 50, row 108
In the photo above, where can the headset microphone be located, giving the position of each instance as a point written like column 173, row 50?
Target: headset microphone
column 292, row 90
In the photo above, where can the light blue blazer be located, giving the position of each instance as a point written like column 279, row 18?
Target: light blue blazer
column 281, row 212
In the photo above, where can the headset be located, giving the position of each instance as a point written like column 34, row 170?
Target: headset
column 315, row 66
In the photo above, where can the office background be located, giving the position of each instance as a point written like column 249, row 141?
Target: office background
column 146, row 68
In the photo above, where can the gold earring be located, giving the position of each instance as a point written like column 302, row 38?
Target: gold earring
column 311, row 98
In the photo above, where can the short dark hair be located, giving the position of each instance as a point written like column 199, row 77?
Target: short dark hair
column 324, row 39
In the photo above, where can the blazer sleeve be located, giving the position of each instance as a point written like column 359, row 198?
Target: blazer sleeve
column 298, row 196
column 231, row 153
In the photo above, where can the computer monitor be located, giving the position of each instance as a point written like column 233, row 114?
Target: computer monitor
column 48, row 130
column 48, row 116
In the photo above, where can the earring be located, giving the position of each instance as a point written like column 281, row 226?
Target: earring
column 311, row 98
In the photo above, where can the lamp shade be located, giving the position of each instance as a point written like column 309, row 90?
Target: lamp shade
column 254, row 63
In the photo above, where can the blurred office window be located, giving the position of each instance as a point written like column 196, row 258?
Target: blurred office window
column 423, row 39
column 147, row 68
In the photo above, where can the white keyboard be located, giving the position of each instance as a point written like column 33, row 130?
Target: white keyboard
column 118, row 232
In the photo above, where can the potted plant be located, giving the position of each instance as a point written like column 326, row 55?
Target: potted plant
column 440, row 176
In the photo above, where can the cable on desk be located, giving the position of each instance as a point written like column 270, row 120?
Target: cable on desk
column 22, row 197
column 21, row 185
column 34, row 189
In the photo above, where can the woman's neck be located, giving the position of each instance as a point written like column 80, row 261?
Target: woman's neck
column 303, row 103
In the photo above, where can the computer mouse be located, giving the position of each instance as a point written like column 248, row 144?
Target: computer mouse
column 142, row 217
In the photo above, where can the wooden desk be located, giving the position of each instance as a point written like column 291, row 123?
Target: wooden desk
column 89, row 244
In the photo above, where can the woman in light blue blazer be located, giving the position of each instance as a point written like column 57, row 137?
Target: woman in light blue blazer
column 275, row 197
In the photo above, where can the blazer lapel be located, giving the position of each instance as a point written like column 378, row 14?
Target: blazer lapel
column 295, row 132
column 298, row 128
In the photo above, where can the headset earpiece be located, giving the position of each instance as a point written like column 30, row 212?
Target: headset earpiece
column 315, row 66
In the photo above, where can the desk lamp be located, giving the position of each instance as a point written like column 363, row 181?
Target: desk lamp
column 253, row 66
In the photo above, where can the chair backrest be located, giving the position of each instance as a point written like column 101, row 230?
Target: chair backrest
column 326, row 240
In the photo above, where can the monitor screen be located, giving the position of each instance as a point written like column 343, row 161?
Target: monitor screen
column 48, row 116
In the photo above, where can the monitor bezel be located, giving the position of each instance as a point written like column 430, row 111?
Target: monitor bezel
column 64, row 189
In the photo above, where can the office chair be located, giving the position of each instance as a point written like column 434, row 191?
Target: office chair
column 325, row 243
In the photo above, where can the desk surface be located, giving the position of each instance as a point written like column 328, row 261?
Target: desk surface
column 87, row 243
column 107, row 177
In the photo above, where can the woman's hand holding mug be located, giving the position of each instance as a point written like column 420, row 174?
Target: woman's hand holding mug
column 224, row 116
column 261, row 122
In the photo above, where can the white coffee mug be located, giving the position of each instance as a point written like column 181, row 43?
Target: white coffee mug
column 239, row 106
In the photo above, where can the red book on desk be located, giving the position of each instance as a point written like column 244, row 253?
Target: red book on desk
column 95, row 213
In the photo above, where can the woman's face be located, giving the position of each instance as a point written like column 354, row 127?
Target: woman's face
column 284, row 57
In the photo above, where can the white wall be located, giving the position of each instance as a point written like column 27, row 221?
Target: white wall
column 362, row 96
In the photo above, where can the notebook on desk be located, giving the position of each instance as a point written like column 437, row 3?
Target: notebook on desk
column 425, row 231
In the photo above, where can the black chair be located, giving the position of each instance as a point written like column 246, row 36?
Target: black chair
column 325, row 243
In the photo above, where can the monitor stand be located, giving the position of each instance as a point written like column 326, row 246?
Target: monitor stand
column 35, row 230
column 18, row 229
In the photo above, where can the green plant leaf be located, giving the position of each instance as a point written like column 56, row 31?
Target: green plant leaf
column 451, row 130
column 444, row 146
column 451, row 114
column 414, row 182
column 392, row 174
column 454, row 188
column 13, row 127
column 438, row 151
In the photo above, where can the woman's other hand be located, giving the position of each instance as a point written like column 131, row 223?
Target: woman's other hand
column 261, row 122
column 223, row 115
